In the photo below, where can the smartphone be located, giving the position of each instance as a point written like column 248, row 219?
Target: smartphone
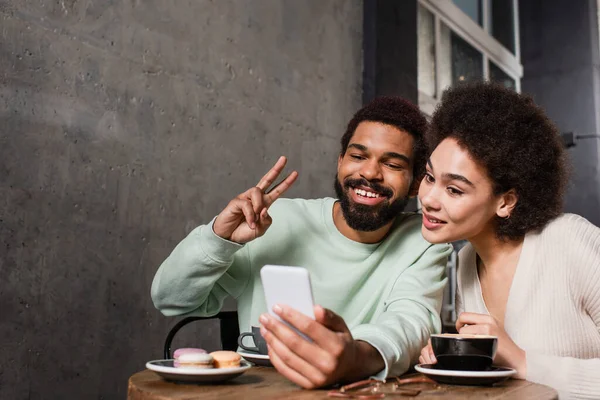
column 289, row 286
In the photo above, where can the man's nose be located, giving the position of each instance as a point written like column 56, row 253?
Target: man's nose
column 371, row 171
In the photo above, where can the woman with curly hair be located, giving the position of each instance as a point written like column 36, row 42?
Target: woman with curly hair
column 529, row 275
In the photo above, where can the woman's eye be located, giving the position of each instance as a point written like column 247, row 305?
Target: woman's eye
column 429, row 178
column 454, row 191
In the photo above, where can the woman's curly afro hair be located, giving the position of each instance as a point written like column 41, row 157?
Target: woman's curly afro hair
column 516, row 143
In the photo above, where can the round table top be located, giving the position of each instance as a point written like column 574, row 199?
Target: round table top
column 266, row 383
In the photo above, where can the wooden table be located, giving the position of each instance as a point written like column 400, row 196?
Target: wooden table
column 265, row 383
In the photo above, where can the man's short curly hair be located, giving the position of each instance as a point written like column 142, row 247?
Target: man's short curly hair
column 517, row 144
column 397, row 112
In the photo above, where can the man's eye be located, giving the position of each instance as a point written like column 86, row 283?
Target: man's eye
column 356, row 156
column 394, row 166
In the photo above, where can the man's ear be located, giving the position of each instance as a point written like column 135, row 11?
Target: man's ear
column 341, row 156
column 507, row 203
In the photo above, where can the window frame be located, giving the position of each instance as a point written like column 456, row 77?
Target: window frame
column 445, row 11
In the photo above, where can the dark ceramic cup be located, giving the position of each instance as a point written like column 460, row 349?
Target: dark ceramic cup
column 464, row 352
column 259, row 341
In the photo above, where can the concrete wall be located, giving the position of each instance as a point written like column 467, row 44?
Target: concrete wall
column 124, row 125
column 560, row 56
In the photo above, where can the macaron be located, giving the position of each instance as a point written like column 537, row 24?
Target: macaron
column 185, row 350
column 226, row 359
column 194, row 360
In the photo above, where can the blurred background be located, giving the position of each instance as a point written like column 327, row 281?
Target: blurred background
column 125, row 124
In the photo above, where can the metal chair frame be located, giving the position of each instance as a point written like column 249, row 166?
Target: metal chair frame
column 230, row 330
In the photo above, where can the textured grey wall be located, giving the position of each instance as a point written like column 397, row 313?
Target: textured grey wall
column 559, row 52
column 125, row 124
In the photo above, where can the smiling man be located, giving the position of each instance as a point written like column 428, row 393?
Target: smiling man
column 378, row 283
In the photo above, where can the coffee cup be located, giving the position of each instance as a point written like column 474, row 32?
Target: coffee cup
column 464, row 352
column 260, row 345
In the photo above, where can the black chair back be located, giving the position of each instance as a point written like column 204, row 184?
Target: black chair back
column 230, row 330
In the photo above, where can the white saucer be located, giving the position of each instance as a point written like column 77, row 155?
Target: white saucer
column 262, row 360
column 493, row 375
column 167, row 370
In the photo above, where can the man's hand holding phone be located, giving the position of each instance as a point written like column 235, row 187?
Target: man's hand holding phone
column 333, row 355
column 246, row 217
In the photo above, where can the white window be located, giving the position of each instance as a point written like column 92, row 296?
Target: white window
column 466, row 40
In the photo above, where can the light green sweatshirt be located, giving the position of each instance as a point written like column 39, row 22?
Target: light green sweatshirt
column 388, row 293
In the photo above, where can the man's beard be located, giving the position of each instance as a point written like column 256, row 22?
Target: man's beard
column 362, row 217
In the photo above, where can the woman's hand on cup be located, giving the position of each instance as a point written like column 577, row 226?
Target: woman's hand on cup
column 509, row 354
column 427, row 356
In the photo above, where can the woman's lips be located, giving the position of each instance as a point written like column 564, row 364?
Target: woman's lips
column 432, row 223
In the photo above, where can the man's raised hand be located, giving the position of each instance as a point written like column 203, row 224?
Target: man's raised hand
column 246, row 217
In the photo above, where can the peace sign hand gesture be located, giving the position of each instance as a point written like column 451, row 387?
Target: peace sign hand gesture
column 246, row 217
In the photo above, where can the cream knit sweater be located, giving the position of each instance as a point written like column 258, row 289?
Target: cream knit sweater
column 553, row 309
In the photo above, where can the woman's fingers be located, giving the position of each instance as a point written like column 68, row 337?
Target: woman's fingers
column 427, row 356
column 432, row 359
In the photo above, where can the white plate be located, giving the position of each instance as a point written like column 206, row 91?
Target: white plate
column 167, row 370
column 478, row 378
column 262, row 360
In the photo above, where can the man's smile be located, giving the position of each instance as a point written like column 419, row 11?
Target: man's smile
column 365, row 195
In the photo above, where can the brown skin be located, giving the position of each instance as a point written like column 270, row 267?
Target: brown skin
column 333, row 356
column 508, row 354
column 511, row 137
column 378, row 153
column 371, row 154
column 458, row 192
column 246, row 217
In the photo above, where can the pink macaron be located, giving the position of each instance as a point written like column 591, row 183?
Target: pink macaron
column 188, row 350
column 194, row 360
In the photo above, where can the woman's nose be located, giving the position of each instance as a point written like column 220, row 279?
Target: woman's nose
column 428, row 196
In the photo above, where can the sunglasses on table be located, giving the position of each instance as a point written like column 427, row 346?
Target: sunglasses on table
column 376, row 389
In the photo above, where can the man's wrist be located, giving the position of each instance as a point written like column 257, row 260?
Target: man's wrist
column 216, row 230
column 367, row 361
